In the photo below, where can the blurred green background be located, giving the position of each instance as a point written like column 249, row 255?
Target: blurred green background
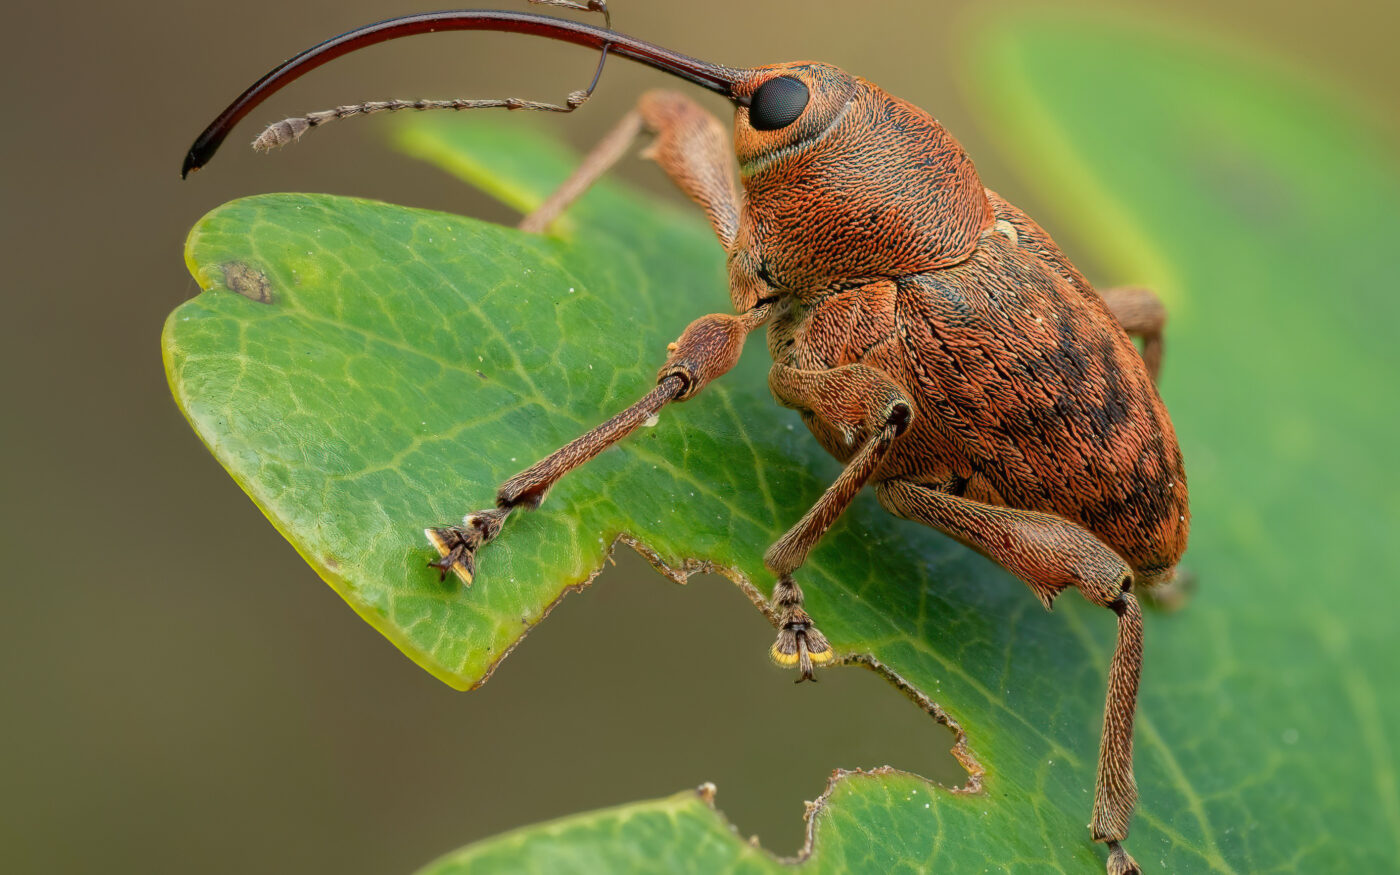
column 181, row 691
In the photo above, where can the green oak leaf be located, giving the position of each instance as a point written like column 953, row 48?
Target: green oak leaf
column 363, row 370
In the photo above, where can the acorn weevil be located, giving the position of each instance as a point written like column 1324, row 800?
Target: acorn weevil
column 932, row 336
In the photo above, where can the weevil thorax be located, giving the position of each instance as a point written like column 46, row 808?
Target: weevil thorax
column 844, row 184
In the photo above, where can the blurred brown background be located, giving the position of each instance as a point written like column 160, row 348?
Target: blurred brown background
column 181, row 692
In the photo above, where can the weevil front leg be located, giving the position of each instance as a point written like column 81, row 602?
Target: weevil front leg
column 708, row 348
column 868, row 410
column 1052, row 554
column 690, row 145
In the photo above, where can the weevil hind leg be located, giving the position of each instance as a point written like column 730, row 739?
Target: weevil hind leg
column 608, row 152
column 690, row 144
column 1051, row 555
column 865, row 402
column 1142, row 315
column 588, row 6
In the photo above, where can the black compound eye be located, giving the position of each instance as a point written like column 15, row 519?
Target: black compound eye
column 777, row 103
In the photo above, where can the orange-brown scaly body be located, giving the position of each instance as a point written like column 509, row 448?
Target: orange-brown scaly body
column 1028, row 393
column 933, row 337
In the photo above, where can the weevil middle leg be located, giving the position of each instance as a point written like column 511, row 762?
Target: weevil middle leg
column 1052, row 554
column 871, row 412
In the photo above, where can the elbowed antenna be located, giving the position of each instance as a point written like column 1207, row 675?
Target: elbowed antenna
column 715, row 77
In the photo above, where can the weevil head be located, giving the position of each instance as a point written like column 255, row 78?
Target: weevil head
column 846, row 183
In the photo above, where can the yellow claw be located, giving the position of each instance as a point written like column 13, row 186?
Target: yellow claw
column 791, row 660
column 458, row 568
column 786, row 660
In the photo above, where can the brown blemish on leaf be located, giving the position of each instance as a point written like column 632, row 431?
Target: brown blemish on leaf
column 247, row 281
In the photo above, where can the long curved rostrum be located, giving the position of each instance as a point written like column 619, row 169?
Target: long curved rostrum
column 715, row 77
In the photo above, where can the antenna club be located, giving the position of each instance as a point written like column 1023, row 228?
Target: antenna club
column 281, row 133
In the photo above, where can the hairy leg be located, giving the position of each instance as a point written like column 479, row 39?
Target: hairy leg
column 708, row 348
column 869, row 407
column 1052, row 554
column 690, row 145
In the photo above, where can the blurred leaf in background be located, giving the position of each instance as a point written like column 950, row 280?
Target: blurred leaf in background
column 384, row 368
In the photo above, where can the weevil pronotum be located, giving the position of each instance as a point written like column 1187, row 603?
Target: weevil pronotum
column 932, row 336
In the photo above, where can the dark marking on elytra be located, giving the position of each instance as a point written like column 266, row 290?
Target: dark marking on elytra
column 1115, row 411
column 248, row 281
